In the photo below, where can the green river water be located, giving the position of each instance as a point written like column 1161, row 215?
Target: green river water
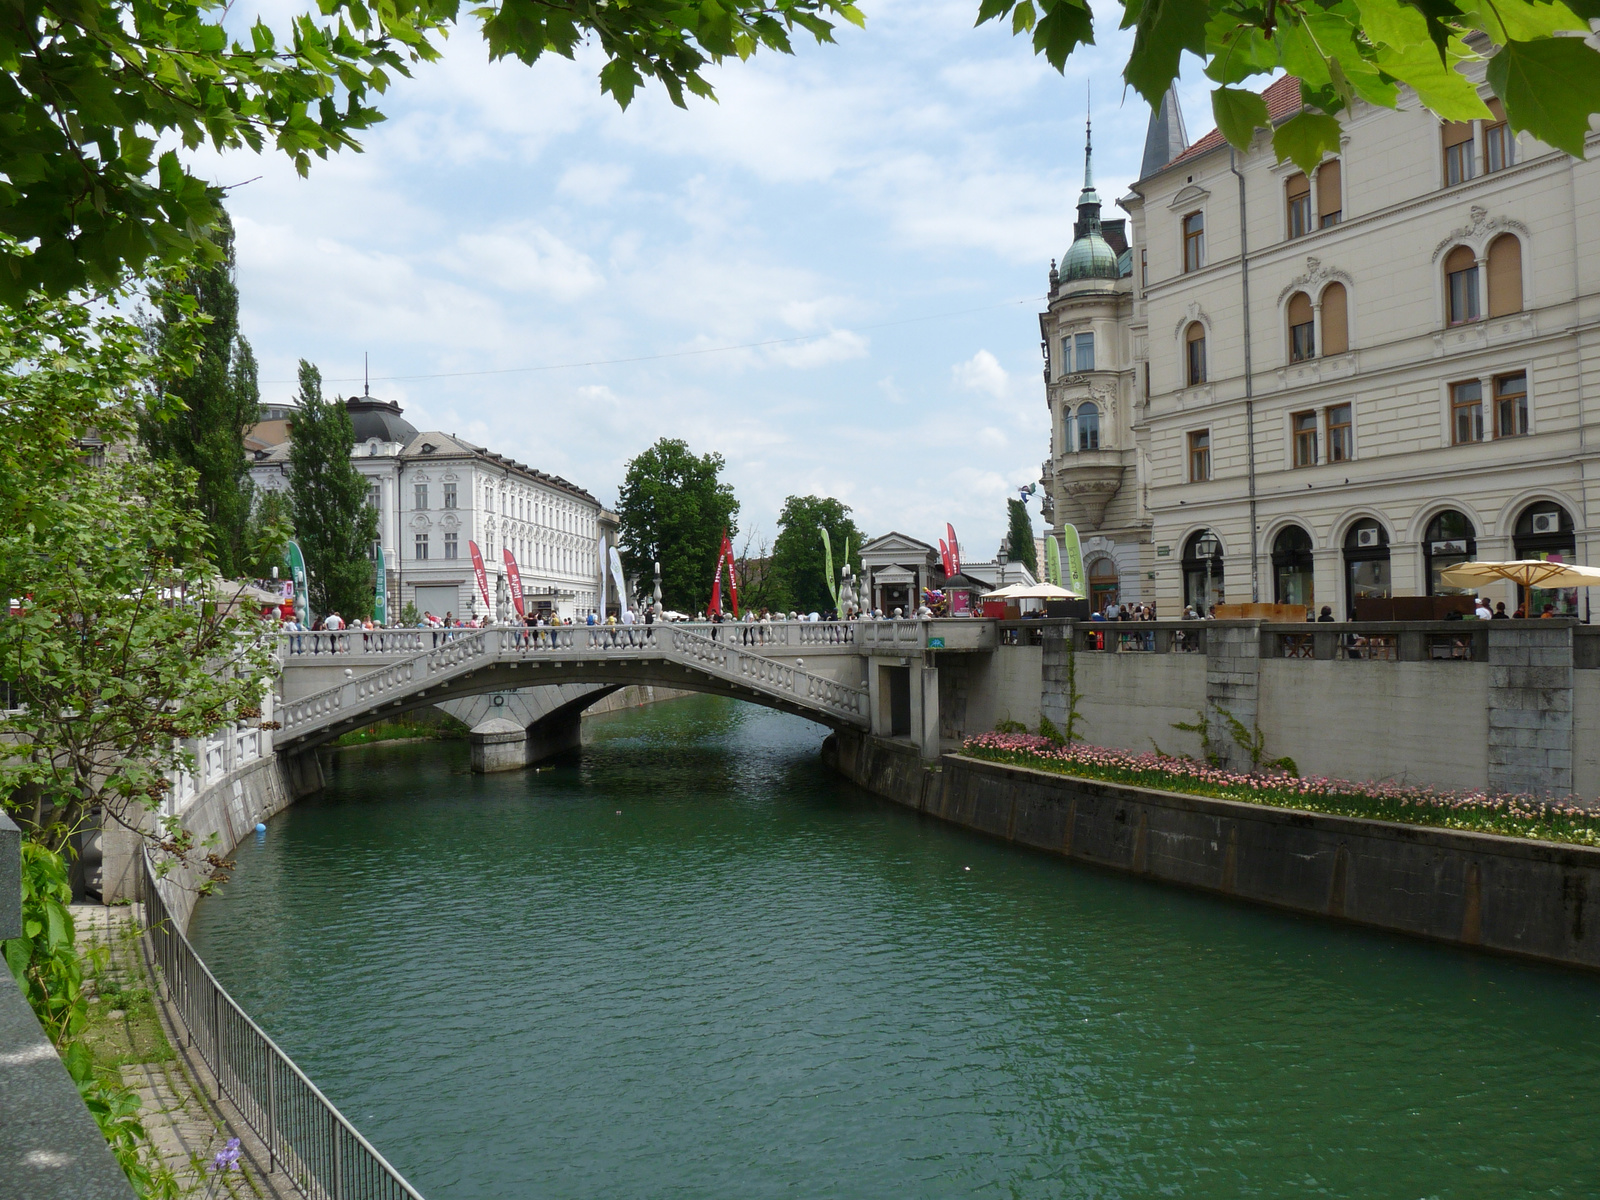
column 692, row 963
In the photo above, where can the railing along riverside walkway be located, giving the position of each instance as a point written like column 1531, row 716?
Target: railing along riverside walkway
column 314, row 1144
column 1344, row 641
column 423, row 661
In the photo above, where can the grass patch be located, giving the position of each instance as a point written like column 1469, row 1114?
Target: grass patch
column 123, row 1027
column 447, row 728
column 1475, row 812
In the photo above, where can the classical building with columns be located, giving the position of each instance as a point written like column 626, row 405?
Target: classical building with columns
column 1313, row 388
column 434, row 493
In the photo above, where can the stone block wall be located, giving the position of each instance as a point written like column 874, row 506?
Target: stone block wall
column 1530, row 710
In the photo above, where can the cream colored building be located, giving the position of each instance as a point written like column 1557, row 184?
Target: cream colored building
column 1397, row 375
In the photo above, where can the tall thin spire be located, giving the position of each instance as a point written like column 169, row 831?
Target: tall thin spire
column 1088, row 140
column 366, row 373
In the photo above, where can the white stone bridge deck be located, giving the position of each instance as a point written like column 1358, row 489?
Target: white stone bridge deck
column 333, row 683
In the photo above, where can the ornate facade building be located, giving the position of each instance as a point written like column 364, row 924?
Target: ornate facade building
column 434, row 493
column 1313, row 388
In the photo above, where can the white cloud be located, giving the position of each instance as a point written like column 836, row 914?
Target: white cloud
column 983, row 373
column 525, row 259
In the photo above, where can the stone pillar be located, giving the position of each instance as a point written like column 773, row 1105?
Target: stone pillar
column 1233, row 682
column 925, row 715
column 498, row 745
column 1530, row 709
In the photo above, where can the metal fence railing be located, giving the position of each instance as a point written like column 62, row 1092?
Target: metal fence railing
column 305, row 1135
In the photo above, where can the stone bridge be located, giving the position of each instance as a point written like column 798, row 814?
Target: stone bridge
column 869, row 675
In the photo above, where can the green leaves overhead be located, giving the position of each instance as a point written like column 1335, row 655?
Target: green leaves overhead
column 1342, row 51
column 1549, row 87
column 91, row 86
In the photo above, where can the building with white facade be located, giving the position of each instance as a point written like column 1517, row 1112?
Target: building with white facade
column 435, row 493
column 1314, row 388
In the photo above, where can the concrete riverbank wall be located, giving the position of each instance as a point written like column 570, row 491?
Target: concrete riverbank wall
column 1535, row 899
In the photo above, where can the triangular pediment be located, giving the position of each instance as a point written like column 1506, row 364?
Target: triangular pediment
column 896, row 547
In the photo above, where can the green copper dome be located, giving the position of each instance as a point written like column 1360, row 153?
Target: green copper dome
column 1091, row 256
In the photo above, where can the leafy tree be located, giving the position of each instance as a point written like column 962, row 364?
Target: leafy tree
column 800, row 574
column 120, row 649
column 335, row 524
column 1020, row 535
column 90, row 89
column 1548, row 81
column 220, row 397
column 673, row 508
column 267, row 534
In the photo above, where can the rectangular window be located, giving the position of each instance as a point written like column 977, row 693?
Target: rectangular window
column 1303, row 341
column 1298, row 191
column 422, row 546
column 1194, row 241
column 1341, row 444
column 1499, row 147
column 1305, row 439
column 1144, row 267
column 421, row 491
column 1466, row 412
column 1085, row 351
column 1199, row 455
column 1066, row 356
column 1457, row 152
column 1197, row 356
column 451, row 545
column 374, row 496
column 1511, row 405
column 449, row 495
column 1330, row 189
column 1464, row 295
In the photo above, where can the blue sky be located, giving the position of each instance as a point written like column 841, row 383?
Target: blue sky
column 882, row 211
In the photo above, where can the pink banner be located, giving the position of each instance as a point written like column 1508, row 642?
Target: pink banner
column 514, row 577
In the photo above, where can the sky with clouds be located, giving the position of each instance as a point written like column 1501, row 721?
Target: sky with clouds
column 870, row 224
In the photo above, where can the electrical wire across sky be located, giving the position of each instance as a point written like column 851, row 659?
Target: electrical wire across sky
column 612, row 362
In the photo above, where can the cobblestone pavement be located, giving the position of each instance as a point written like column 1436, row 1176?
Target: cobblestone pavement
column 186, row 1122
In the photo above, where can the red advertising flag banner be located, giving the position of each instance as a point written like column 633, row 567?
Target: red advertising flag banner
column 514, row 576
column 955, row 549
column 715, row 607
column 483, row 576
column 733, row 578
column 944, row 558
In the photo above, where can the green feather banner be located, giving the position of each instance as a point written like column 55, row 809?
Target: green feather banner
column 1052, row 561
column 827, row 555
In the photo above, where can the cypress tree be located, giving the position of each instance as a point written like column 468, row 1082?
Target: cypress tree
column 1020, row 534
column 221, row 399
column 332, row 519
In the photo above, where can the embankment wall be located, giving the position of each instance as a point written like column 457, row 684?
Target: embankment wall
column 1535, row 899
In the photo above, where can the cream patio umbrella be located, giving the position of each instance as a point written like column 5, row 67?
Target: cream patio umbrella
column 1032, row 591
column 1529, row 572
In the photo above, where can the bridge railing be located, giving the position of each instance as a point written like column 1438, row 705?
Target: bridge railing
column 731, row 648
column 305, row 1135
column 398, row 643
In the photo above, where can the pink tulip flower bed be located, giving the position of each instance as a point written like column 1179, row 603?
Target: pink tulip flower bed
column 1510, row 816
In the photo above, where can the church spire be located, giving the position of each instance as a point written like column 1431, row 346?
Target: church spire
column 1089, row 201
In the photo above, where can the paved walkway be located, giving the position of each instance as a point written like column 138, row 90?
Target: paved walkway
column 186, row 1122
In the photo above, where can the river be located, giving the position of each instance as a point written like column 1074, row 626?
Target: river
column 692, row 963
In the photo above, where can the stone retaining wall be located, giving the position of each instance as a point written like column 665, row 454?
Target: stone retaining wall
column 1504, row 894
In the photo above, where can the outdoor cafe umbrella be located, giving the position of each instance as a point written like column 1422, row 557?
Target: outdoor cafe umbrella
column 1043, row 591
column 1529, row 572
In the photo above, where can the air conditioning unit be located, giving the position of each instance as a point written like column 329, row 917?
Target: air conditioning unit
column 1367, row 538
column 1547, row 522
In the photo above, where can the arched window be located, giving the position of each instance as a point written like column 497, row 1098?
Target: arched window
column 1366, row 564
column 1335, row 319
column 1450, row 539
column 1102, row 582
column 1291, row 567
column 1544, row 530
column 1202, row 571
column 1088, row 426
column 1461, row 279
column 1302, row 328
column 1505, row 275
column 1297, row 192
column 1195, row 353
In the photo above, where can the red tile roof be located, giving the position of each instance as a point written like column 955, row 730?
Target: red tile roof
column 1283, row 100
